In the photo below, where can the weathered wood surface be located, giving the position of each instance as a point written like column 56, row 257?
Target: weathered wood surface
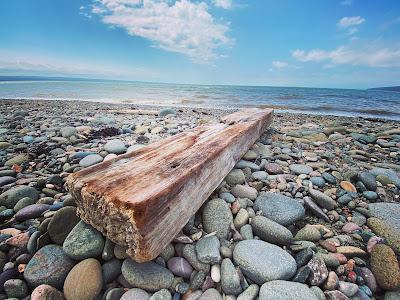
column 144, row 198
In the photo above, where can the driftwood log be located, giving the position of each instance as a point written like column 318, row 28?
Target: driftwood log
column 144, row 198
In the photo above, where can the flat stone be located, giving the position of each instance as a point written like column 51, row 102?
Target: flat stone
column 261, row 261
column 351, row 251
column 111, row 270
column 207, row 250
column 46, row 292
column 31, row 212
column 61, row 224
column 230, row 280
column 273, row 168
column 18, row 159
column 6, row 180
column 315, row 209
column 180, row 267
column 50, row 265
column 241, row 164
column 300, row 169
column 68, row 131
column 368, row 180
column 84, row 281
column 244, row 191
column 284, row 290
column 279, row 208
column 323, row 200
column 166, row 111
column 115, row 146
column 13, row 195
column 90, row 160
column 381, row 228
column 16, row 288
column 217, row 217
column 189, row 253
column 385, row 267
column 148, row 276
column 210, row 294
column 162, row 294
column 236, row 176
column 308, row 233
column 271, row 231
column 387, row 212
column 83, row 242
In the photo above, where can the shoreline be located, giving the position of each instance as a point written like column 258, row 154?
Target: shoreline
column 311, row 196
column 280, row 109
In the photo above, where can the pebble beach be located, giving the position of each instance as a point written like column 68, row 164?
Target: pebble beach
column 310, row 212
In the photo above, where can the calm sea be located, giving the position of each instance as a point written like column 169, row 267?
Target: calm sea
column 345, row 102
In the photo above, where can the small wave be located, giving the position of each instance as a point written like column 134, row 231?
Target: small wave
column 202, row 96
column 288, row 97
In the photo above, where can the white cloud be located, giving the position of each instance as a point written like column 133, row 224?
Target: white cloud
column 22, row 64
column 346, row 2
column 279, row 64
column 178, row 26
column 350, row 21
column 365, row 56
column 226, row 4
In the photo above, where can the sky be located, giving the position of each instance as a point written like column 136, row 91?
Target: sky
column 314, row 43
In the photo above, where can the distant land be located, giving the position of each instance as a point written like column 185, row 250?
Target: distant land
column 387, row 88
column 49, row 78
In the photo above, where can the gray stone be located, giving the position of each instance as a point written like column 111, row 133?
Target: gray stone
column 250, row 293
column 285, row 290
column 16, row 288
column 368, row 180
column 148, row 276
column 135, row 294
column 244, row 191
column 217, row 217
column 228, row 197
column 83, row 242
column 13, row 195
column 163, row 294
column 392, row 175
column 211, row 294
column 236, row 176
column 207, row 250
column 189, row 253
column 6, row 180
column 166, row 111
column 315, row 209
column 115, row 146
column 24, row 202
column 387, row 212
column 308, row 233
column 50, row 265
column 90, row 160
column 323, row 200
column 230, row 280
column 241, row 164
column 259, row 175
column 300, row 169
column 111, row 270
column 61, row 224
column 271, row 231
column 246, row 232
column 318, row 181
column 31, row 212
column 261, row 261
column 279, row 208
column 68, row 131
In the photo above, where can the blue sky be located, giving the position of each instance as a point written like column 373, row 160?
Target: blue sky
column 316, row 43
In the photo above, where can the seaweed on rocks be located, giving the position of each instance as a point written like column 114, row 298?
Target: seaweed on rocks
column 103, row 133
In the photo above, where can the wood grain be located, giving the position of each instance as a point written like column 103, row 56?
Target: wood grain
column 144, row 198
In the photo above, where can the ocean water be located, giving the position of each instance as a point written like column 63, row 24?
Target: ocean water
column 343, row 102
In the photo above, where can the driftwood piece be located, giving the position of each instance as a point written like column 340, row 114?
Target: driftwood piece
column 144, row 198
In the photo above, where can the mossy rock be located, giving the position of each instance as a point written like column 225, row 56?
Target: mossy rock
column 385, row 267
column 382, row 229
